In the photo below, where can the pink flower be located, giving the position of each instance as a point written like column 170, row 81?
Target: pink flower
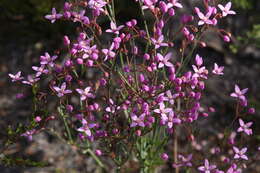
column 85, row 93
column 240, row 154
column 218, row 70
column 112, row 108
column 200, row 72
column 175, row 3
column 16, row 77
column 62, row 90
column 149, row 4
column 170, row 98
column 109, row 53
column 163, row 111
column 226, row 10
column 137, row 121
column 78, row 17
column 164, row 61
column 114, row 29
column 40, row 70
column 198, row 60
column 28, row 134
column 97, row 5
column 204, row 19
column 86, row 127
column 47, row 59
column 207, row 167
column 245, row 127
column 54, row 16
column 30, row 80
column 172, row 119
column 184, row 161
column 159, row 42
column 239, row 93
column 234, row 169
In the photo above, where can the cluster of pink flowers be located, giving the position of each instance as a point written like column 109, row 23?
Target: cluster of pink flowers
column 134, row 89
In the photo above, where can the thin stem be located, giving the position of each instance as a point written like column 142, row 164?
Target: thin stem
column 175, row 140
column 145, row 24
column 93, row 155
column 66, row 124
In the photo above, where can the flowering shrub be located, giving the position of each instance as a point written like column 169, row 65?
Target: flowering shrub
column 141, row 96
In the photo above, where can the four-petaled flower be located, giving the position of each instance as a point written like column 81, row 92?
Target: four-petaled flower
column 239, row 93
column 62, row 90
column 218, row 70
column 226, row 10
column 30, row 80
column 163, row 111
column 86, row 127
column 175, row 3
column 109, row 52
column 54, row 16
column 200, row 72
column 164, row 61
column 112, row 108
column 245, row 127
column 40, row 70
column 184, row 161
column 170, row 98
column 85, row 93
column 47, row 59
column 159, row 42
column 172, row 119
column 137, row 121
column 207, row 167
column 234, row 169
column 149, row 4
column 114, row 29
column 16, row 77
column 97, row 5
column 28, row 134
column 204, row 19
column 240, row 154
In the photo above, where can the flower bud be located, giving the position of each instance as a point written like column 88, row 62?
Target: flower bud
column 37, row 119
column 251, row 110
column 68, row 78
column 226, row 38
column 68, row 63
column 146, row 56
column 171, row 12
column 66, row 40
column 80, row 61
column 98, row 152
column 163, row 7
column 164, row 156
column 69, row 108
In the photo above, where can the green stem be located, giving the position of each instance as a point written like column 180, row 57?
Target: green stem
column 145, row 25
column 93, row 155
column 66, row 124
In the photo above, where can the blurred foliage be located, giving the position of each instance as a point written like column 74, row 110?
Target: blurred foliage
column 25, row 8
column 24, row 20
column 251, row 37
column 14, row 161
column 243, row 4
